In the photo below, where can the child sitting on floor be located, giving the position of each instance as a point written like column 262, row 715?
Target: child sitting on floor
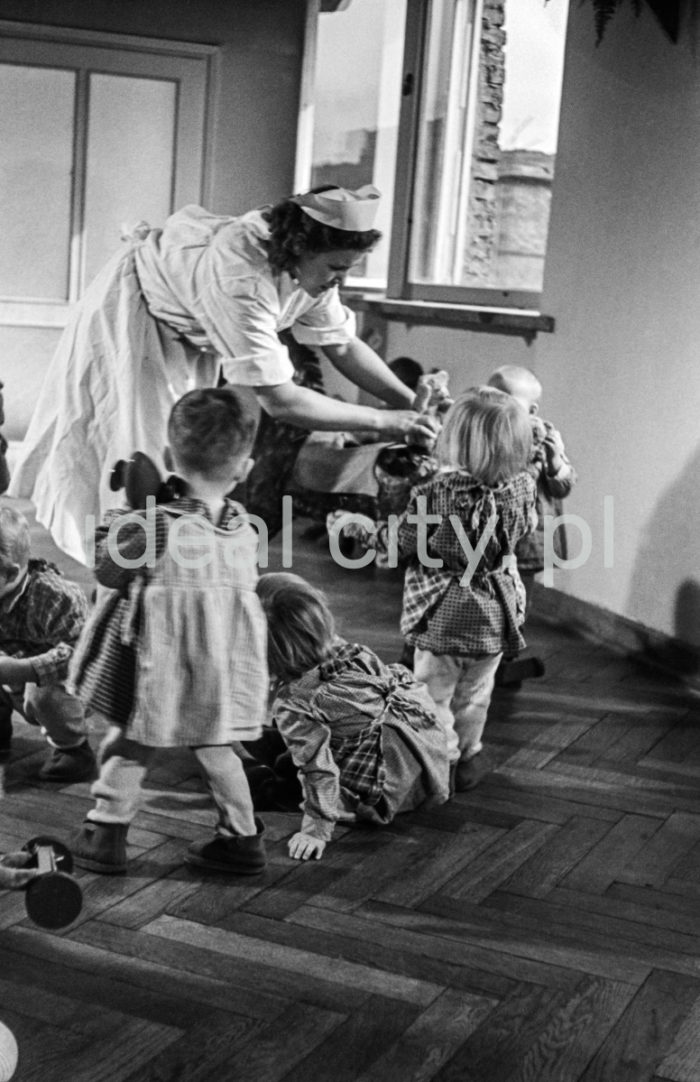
column 461, row 590
column 41, row 617
column 185, row 587
column 361, row 734
column 555, row 477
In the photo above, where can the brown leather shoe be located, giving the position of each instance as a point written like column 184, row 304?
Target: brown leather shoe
column 468, row 773
column 100, row 847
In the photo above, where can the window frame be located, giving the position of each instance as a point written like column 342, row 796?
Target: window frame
column 399, row 286
column 193, row 67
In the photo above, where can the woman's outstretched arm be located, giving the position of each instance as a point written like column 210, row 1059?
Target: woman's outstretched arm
column 309, row 409
column 362, row 366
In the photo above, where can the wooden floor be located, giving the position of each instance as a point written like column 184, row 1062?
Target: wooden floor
column 543, row 927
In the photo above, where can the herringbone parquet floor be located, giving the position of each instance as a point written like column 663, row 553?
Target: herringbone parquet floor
column 542, row 927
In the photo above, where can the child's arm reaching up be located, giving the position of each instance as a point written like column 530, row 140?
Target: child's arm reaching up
column 559, row 476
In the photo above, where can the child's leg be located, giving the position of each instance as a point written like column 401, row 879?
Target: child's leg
column 61, row 717
column 100, row 844
column 513, row 670
column 237, row 847
column 123, row 765
column 440, row 674
column 471, row 701
column 224, row 774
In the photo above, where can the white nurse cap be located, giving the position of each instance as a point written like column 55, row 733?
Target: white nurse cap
column 341, row 208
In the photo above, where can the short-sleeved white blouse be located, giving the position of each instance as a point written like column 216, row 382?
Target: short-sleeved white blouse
column 208, row 277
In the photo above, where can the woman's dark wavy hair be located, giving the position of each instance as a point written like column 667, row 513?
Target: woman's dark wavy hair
column 293, row 232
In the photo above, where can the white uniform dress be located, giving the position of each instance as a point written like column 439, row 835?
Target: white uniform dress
column 162, row 317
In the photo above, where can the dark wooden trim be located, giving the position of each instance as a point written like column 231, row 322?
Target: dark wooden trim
column 490, row 320
column 651, row 648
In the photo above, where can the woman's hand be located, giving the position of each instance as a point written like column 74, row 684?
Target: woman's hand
column 304, row 846
column 13, row 875
column 415, row 428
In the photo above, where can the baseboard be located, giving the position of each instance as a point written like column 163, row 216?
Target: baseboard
column 624, row 636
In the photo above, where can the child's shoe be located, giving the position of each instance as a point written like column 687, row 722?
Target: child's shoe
column 100, row 847
column 237, row 855
column 70, row 764
column 510, row 674
column 466, row 773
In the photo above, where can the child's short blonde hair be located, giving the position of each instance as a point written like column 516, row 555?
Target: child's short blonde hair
column 300, row 626
column 14, row 538
column 488, row 433
column 520, row 382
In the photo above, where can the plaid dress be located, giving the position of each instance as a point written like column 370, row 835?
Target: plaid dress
column 447, row 610
column 338, row 721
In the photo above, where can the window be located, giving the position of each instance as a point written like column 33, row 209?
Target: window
column 95, row 136
column 354, row 58
column 476, row 105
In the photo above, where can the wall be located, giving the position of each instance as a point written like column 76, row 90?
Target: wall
column 256, row 111
column 254, row 120
column 621, row 372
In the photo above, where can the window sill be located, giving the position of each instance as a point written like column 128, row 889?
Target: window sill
column 467, row 317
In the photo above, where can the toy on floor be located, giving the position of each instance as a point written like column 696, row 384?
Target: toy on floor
column 53, row 898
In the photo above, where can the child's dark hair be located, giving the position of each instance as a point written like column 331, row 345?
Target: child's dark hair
column 300, row 626
column 293, row 232
column 407, row 370
column 210, row 427
column 488, row 433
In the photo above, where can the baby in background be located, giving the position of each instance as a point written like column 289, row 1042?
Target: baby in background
column 555, row 477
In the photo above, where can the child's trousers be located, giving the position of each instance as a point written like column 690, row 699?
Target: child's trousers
column 123, row 765
column 461, row 689
column 60, row 715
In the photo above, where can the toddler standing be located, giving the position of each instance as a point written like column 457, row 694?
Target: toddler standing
column 188, row 614
column 463, row 604
column 362, row 735
column 41, row 617
column 555, row 477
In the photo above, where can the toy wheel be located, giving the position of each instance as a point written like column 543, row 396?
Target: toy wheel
column 53, row 900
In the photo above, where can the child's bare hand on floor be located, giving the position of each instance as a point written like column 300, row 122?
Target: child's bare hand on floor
column 13, row 874
column 304, row 847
